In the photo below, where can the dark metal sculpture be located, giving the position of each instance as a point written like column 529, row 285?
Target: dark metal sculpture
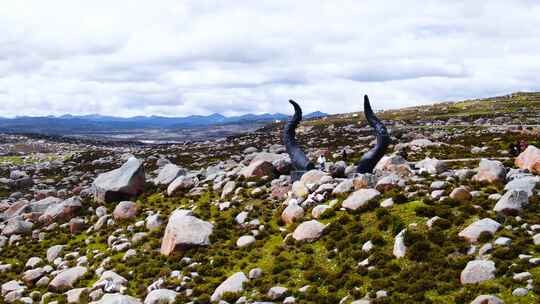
column 300, row 162
column 369, row 160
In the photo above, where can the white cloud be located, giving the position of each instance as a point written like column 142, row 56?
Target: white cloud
column 197, row 57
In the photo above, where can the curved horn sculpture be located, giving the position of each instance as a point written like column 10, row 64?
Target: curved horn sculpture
column 369, row 160
column 298, row 157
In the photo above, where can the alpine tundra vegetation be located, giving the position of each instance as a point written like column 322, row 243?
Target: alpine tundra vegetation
column 446, row 213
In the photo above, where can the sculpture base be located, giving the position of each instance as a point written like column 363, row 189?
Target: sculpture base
column 297, row 174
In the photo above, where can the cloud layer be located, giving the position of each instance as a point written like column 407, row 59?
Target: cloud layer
column 178, row 58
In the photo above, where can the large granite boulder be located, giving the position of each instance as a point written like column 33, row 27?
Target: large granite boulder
column 184, row 230
column 393, row 164
column 168, row 173
column 67, row 278
column 14, row 210
column 120, row 184
column 42, row 205
column 431, row 165
column 62, row 211
column 473, row 231
column 490, row 171
column 359, row 198
column 313, row 177
column 526, row 183
column 181, row 184
column 512, row 200
column 529, row 159
column 478, row 271
column 258, row 168
column 17, row 226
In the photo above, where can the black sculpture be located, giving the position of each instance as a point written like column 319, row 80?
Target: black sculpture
column 300, row 162
column 372, row 157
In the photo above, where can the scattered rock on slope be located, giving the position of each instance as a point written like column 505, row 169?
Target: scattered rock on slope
column 120, row 184
column 184, row 230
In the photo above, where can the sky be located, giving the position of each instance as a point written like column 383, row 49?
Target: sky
column 178, row 58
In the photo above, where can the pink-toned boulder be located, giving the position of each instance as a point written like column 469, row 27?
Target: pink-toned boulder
column 258, row 168
column 125, row 210
column 292, row 212
column 62, row 211
column 313, row 177
column 181, row 184
column 183, row 231
column 529, row 159
column 67, row 278
column 490, row 171
column 394, row 164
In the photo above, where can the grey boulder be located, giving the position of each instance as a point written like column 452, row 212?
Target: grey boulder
column 168, row 174
column 512, row 200
column 120, row 184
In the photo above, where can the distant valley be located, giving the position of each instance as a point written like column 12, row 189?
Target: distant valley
column 150, row 129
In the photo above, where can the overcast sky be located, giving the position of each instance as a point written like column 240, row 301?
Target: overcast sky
column 177, row 58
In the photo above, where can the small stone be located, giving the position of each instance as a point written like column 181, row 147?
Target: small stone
column 438, row 185
column 245, row 240
column 522, row 276
column 461, row 194
column 487, row 299
column 431, row 165
column 125, row 210
column 387, row 203
column 399, row 245
column 161, row 296
column 367, row 246
column 255, row 273
column 117, row 298
column 503, row 241
column 276, row 292
column 520, row 292
column 318, row 210
column 77, row 295
column 234, row 283
column 228, row 189
column 308, row 231
column 536, row 239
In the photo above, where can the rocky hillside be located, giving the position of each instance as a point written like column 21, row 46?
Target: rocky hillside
column 450, row 215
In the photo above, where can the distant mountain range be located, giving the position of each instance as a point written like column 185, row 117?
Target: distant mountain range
column 70, row 124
